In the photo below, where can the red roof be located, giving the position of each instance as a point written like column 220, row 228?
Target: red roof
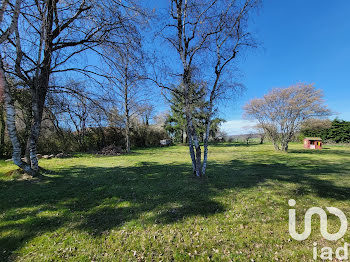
column 313, row 138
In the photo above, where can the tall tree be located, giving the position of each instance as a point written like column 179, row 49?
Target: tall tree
column 146, row 111
column 2, row 128
column 339, row 132
column 282, row 111
column 207, row 35
column 260, row 132
column 80, row 110
column 13, row 11
column 50, row 34
column 126, row 65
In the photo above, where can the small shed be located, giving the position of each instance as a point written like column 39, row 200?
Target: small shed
column 313, row 142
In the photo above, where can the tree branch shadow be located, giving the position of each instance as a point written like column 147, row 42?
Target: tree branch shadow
column 98, row 199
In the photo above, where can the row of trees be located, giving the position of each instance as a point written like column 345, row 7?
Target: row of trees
column 75, row 123
column 337, row 131
column 81, row 121
column 46, row 44
column 72, row 122
column 43, row 40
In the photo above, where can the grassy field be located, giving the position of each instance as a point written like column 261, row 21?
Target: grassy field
column 146, row 206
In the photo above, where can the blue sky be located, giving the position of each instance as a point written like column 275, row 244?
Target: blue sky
column 301, row 41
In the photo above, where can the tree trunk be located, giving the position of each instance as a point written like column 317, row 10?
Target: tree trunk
column 183, row 136
column 284, row 146
column 2, row 130
column 262, row 138
column 285, row 141
column 37, row 108
column 194, row 142
column 206, row 140
column 198, row 159
column 127, row 119
column 127, row 135
column 40, row 87
column 27, row 152
column 28, row 124
column 11, row 124
column 38, row 94
column 190, row 146
column 276, row 146
column 103, row 138
column 192, row 135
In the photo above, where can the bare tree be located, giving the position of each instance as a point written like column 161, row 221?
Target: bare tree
column 207, row 35
column 249, row 134
column 7, row 30
column 2, row 128
column 261, row 133
column 147, row 112
column 282, row 111
column 48, row 37
column 126, row 65
column 80, row 109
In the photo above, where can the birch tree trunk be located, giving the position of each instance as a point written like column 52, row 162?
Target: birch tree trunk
column 206, row 140
column 2, row 130
column 11, row 124
column 198, row 157
column 27, row 151
column 192, row 135
column 190, row 130
column 28, row 124
column 183, row 136
column 41, row 85
column 34, row 137
column 190, row 146
column 202, row 29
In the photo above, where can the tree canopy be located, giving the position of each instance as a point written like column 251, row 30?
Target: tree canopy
column 337, row 131
column 282, row 111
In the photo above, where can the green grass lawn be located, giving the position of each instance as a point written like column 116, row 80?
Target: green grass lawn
column 147, row 206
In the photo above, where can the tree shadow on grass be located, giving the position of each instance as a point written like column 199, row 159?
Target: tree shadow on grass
column 324, row 151
column 233, row 144
column 306, row 176
column 98, row 199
